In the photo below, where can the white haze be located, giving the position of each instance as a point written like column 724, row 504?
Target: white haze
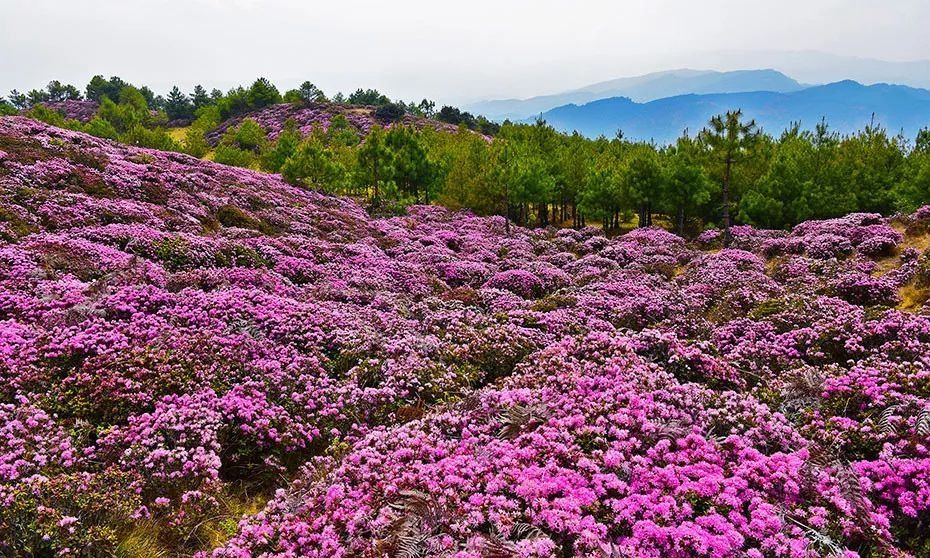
column 452, row 51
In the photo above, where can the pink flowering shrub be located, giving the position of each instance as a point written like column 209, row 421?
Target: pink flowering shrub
column 464, row 273
column 31, row 443
column 866, row 232
column 588, row 448
column 176, row 333
column 71, row 109
column 518, row 281
column 865, row 289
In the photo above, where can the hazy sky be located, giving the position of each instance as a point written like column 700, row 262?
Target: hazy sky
column 448, row 51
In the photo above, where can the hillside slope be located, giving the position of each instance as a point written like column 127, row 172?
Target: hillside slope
column 847, row 106
column 308, row 116
column 82, row 111
column 181, row 342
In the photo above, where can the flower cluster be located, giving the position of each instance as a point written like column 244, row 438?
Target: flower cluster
column 172, row 330
column 72, row 109
column 836, row 238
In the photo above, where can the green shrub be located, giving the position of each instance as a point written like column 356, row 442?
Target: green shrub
column 391, row 112
column 249, row 135
column 174, row 253
column 154, row 139
column 232, row 155
column 232, row 216
column 274, row 157
column 47, row 115
column 195, row 142
column 101, row 128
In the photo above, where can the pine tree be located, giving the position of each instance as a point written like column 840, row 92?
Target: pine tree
column 60, row 92
column 413, row 170
column 686, row 185
column 313, row 165
column 199, row 97
column 311, row 93
column 283, row 148
column 177, row 105
column 375, row 161
column 729, row 139
column 263, row 93
column 643, row 181
column 18, row 100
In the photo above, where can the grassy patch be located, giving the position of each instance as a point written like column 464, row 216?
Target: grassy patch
column 912, row 298
column 178, row 134
column 18, row 226
column 151, row 539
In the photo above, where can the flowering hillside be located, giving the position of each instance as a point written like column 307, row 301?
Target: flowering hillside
column 182, row 342
column 82, row 111
column 319, row 115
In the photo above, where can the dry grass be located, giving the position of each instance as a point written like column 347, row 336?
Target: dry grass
column 217, row 530
column 921, row 242
column 178, row 134
column 898, row 226
column 886, row 264
column 151, row 539
column 913, row 298
column 142, row 542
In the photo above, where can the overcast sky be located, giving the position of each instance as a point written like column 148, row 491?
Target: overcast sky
column 450, row 51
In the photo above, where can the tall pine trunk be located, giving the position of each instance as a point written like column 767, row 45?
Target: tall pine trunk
column 375, row 176
column 726, row 202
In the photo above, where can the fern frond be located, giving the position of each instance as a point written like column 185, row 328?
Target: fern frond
column 520, row 419
column 884, row 420
column 922, row 424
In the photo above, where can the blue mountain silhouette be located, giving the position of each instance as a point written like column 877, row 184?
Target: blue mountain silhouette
column 847, row 106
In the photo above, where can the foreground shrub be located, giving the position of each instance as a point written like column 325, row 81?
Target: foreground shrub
column 182, row 342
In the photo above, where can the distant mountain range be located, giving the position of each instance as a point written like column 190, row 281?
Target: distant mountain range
column 642, row 88
column 847, row 106
column 815, row 67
